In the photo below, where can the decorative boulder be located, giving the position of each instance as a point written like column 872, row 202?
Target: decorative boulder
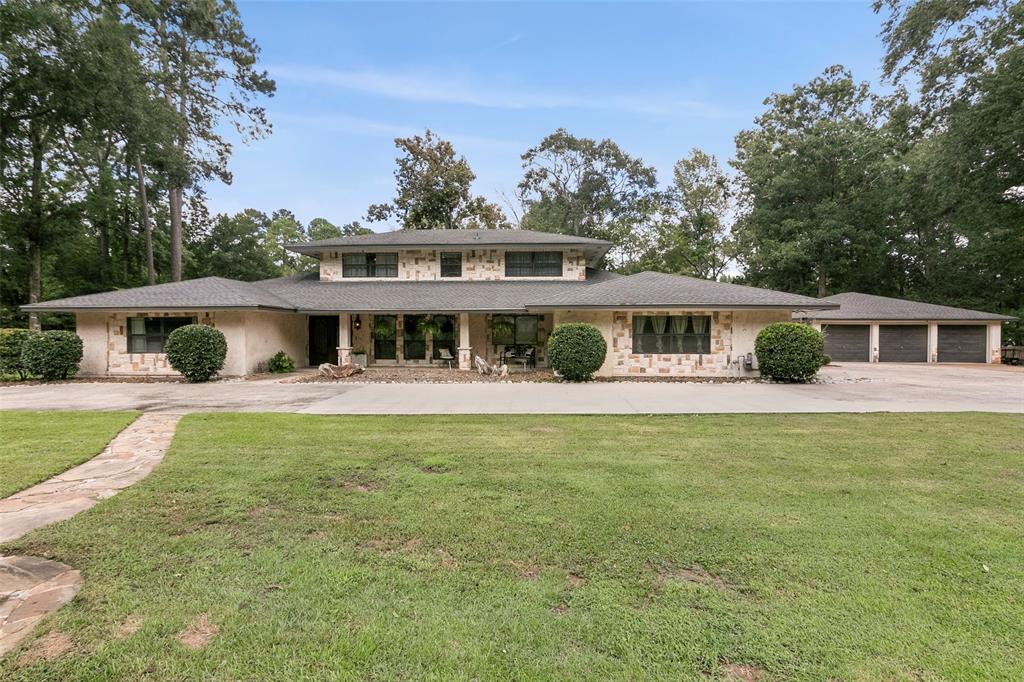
column 339, row 371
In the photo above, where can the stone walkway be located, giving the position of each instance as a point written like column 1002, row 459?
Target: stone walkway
column 31, row 588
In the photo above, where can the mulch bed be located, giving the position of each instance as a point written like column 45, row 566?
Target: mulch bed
column 424, row 375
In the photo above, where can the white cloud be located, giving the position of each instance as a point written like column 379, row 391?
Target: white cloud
column 427, row 87
column 354, row 125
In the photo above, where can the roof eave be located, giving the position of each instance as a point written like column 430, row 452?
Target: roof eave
column 41, row 308
column 672, row 306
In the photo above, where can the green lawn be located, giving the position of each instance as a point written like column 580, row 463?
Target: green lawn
column 854, row 547
column 37, row 445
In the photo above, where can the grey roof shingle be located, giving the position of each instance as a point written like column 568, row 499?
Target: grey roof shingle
column 311, row 295
column 855, row 306
column 661, row 290
column 194, row 294
column 460, row 238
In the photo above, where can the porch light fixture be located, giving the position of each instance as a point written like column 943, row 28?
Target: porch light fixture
column 357, row 323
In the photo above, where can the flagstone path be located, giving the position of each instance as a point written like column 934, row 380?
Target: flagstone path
column 31, row 588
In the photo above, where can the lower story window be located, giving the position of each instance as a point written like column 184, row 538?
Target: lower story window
column 515, row 330
column 671, row 334
column 149, row 334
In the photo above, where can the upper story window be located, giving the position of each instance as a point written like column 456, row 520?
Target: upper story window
column 149, row 334
column 672, row 334
column 533, row 264
column 369, row 265
column 451, row 264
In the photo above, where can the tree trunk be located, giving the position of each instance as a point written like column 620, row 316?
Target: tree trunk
column 147, row 229
column 35, row 228
column 175, row 205
column 821, row 282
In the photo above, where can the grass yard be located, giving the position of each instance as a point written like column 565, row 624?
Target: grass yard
column 37, row 445
column 848, row 547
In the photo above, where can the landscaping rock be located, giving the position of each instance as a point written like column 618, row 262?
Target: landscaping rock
column 339, row 371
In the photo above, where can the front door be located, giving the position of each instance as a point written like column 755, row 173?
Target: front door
column 323, row 339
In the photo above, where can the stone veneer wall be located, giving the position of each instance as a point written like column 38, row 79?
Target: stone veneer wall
column 732, row 337
column 627, row 363
column 477, row 265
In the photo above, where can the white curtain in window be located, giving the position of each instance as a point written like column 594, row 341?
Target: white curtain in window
column 678, row 324
column 700, row 327
column 658, row 325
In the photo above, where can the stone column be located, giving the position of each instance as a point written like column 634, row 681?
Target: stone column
column 465, row 351
column 873, row 342
column 344, row 339
column 933, row 342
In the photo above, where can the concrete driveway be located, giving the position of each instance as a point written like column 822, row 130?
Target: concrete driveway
column 852, row 387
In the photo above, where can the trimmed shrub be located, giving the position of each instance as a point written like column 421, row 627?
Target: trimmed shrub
column 197, row 351
column 52, row 355
column 11, row 342
column 576, row 350
column 281, row 363
column 790, row 351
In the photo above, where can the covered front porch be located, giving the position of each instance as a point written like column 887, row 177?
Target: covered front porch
column 421, row 339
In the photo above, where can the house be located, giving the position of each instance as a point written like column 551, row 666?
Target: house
column 869, row 328
column 492, row 293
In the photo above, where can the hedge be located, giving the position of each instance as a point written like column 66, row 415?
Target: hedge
column 576, row 350
column 789, row 351
column 197, row 351
column 11, row 342
column 52, row 354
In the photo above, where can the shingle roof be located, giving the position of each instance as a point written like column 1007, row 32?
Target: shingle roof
column 311, row 295
column 194, row 294
column 855, row 306
column 466, row 238
column 661, row 290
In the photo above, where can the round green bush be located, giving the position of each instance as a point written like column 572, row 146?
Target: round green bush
column 789, row 351
column 281, row 363
column 11, row 342
column 52, row 354
column 197, row 351
column 576, row 350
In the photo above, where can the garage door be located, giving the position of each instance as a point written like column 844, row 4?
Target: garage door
column 903, row 343
column 962, row 343
column 848, row 342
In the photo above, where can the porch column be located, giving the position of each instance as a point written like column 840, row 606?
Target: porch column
column 344, row 339
column 873, row 342
column 465, row 351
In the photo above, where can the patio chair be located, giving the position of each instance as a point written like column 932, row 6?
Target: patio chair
column 446, row 356
column 531, row 357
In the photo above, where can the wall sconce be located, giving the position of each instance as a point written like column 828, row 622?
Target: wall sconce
column 357, row 323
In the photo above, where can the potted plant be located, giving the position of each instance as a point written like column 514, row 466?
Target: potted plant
column 383, row 329
column 428, row 327
column 359, row 357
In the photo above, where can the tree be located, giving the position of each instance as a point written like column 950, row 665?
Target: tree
column 203, row 64
column 968, row 61
column 434, row 189
column 811, row 171
column 234, row 247
column 578, row 186
column 321, row 228
column 693, row 231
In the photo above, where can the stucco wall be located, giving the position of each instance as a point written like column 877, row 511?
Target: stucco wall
column 747, row 323
column 267, row 333
column 477, row 265
column 249, row 335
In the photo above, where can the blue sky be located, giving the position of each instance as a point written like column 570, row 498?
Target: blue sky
column 658, row 78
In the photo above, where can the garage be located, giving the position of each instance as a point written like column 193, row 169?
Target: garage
column 903, row 343
column 962, row 343
column 848, row 342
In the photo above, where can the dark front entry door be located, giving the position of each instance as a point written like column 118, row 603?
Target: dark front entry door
column 848, row 342
column 903, row 343
column 962, row 343
column 323, row 339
